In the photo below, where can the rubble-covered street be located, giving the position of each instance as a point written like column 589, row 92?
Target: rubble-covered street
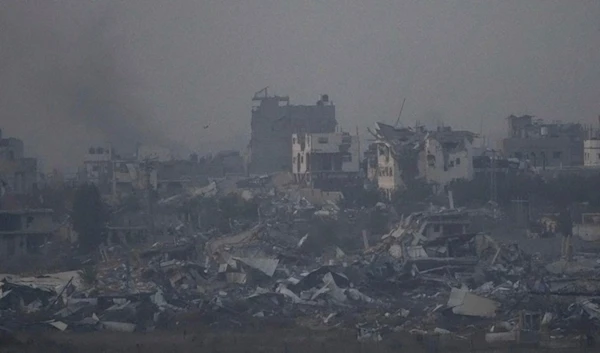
column 299, row 176
column 312, row 265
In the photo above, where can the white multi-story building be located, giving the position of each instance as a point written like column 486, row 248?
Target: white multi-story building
column 437, row 157
column 447, row 156
column 326, row 161
column 591, row 153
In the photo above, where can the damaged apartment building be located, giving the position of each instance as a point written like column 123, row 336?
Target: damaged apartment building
column 23, row 232
column 437, row 157
column 114, row 174
column 18, row 174
column 591, row 147
column 326, row 161
column 544, row 145
column 274, row 120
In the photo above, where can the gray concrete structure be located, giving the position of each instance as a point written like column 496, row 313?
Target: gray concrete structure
column 544, row 144
column 274, row 120
column 22, row 232
column 18, row 174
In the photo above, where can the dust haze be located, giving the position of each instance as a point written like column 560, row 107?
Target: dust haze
column 75, row 73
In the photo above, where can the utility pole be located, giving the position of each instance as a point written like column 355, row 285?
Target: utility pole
column 147, row 167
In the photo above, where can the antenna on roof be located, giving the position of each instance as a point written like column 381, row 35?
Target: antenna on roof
column 400, row 114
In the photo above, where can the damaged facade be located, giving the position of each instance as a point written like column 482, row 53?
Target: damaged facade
column 591, row 153
column 544, row 144
column 274, row 120
column 448, row 156
column 436, row 157
column 18, row 174
column 23, row 232
column 326, row 161
column 588, row 227
column 433, row 234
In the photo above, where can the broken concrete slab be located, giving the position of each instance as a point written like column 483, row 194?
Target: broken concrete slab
column 58, row 325
column 465, row 303
column 333, row 290
column 264, row 265
column 236, row 277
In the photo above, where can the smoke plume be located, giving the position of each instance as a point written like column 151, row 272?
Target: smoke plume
column 66, row 82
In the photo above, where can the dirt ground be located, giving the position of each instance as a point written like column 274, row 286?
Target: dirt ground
column 266, row 340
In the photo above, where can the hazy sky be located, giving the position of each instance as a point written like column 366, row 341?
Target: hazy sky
column 77, row 71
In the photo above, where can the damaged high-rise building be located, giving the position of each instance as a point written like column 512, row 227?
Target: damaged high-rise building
column 274, row 120
column 18, row 174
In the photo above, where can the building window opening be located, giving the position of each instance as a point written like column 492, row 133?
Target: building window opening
column 457, row 161
column 431, row 160
column 556, row 154
column 322, row 140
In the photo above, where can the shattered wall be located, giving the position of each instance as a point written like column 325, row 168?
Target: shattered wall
column 23, row 232
column 389, row 178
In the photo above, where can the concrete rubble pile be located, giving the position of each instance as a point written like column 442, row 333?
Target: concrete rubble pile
column 429, row 275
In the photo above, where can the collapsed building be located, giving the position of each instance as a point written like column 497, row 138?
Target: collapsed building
column 436, row 157
column 428, row 275
column 431, row 235
column 326, row 161
column 274, row 120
